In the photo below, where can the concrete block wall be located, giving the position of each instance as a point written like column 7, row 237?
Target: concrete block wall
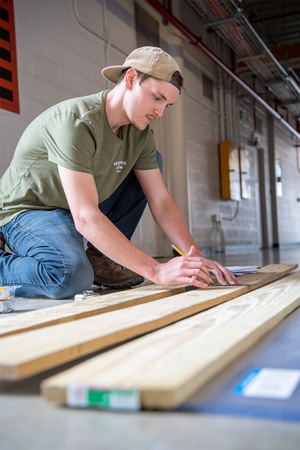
column 203, row 162
column 288, row 208
column 59, row 58
column 262, row 148
column 239, row 222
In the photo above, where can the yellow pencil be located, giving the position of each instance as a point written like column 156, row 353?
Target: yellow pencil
column 182, row 254
column 177, row 250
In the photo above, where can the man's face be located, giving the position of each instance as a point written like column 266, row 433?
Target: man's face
column 146, row 101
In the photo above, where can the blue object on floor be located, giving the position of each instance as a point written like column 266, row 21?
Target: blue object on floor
column 281, row 351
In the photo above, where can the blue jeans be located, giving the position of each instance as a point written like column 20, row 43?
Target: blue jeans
column 49, row 257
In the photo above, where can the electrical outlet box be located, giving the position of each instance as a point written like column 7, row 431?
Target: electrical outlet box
column 216, row 218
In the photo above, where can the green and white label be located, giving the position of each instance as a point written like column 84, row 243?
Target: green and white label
column 80, row 396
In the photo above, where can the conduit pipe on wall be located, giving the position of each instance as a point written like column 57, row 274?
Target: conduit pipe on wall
column 221, row 108
column 197, row 41
column 102, row 38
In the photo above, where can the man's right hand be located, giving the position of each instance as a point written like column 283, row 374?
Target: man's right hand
column 183, row 270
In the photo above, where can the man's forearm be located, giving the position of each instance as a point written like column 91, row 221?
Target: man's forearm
column 109, row 240
column 170, row 220
column 106, row 237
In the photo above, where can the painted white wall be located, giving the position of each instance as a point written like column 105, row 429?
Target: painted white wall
column 59, row 58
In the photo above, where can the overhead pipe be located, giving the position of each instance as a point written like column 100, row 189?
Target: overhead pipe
column 195, row 40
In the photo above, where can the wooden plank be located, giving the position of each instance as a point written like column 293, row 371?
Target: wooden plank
column 170, row 365
column 35, row 351
column 88, row 307
column 109, row 302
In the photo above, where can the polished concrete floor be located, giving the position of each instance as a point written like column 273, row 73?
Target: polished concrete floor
column 28, row 422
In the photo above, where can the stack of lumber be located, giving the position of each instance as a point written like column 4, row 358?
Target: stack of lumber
column 210, row 328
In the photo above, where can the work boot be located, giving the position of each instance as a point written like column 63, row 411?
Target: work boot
column 110, row 274
column 2, row 242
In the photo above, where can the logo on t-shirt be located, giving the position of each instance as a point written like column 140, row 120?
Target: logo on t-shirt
column 119, row 165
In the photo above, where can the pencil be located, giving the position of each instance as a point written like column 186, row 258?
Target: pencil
column 177, row 250
column 182, row 254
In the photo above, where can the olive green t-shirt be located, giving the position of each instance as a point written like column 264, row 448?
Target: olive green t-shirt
column 74, row 134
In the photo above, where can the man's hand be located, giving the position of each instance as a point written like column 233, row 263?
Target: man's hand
column 187, row 269
column 183, row 270
column 224, row 276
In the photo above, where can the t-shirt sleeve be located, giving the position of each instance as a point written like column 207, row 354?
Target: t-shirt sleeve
column 147, row 159
column 69, row 141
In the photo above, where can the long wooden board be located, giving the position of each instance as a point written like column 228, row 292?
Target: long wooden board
column 171, row 364
column 88, row 307
column 34, row 351
column 109, row 302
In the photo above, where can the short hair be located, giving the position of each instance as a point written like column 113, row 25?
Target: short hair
column 143, row 76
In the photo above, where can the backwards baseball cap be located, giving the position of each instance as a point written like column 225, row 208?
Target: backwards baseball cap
column 152, row 61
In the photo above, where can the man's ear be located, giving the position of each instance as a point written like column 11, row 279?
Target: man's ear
column 130, row 78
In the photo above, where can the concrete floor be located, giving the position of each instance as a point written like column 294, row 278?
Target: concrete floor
column 28, row 422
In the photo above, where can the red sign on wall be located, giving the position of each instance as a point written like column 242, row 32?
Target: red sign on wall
column 9, row 93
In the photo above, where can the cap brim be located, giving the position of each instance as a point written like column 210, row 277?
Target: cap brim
column 113, row 73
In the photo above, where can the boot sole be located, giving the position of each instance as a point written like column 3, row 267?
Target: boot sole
column 112, row 284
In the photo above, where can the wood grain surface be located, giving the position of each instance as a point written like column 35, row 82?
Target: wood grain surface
column 91, row 306
column 170, row 365
column 32, row 352
column 88, row 307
